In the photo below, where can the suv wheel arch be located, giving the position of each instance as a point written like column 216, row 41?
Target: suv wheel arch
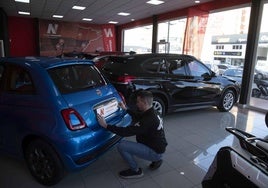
column 227, row 101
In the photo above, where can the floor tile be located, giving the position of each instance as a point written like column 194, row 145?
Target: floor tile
column 194, row 138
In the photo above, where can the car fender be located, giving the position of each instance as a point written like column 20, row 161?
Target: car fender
column 155, row 91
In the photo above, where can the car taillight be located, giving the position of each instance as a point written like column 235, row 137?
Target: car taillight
column 73, row 119
column 125, row 79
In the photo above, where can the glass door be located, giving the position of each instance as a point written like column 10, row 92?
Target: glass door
column 259, row 92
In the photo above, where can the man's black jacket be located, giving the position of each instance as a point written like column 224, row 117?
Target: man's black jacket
column 148, row 128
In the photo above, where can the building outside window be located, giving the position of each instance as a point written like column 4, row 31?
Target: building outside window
column 226, row 37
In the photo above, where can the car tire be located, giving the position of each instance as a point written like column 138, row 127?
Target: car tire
column 159, row 106
column 227, row 101
column 44, row 163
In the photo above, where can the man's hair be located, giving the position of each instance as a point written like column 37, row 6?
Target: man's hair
column 147, row 96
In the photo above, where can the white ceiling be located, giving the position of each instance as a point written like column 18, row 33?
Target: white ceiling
column 101, row 11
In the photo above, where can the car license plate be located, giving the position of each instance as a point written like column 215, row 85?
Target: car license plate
column 107, row 108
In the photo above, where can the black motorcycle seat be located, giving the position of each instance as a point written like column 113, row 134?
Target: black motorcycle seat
column 263, row 83
column 262, row 145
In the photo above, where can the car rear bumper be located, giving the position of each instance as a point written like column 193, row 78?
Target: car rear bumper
column 92, row 156
column 80, row 151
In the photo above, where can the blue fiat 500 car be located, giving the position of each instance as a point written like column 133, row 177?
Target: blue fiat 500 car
column 48, row 112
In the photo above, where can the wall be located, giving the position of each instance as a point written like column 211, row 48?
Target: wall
column 3, row 34
column 34, row 37
column 23, row 38
column 59, row 37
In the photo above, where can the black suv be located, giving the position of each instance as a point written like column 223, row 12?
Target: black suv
column 178, row 82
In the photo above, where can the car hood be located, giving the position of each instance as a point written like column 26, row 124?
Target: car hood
column 226, row 81
column 234, row 78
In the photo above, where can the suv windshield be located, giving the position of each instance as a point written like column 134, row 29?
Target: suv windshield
column 75, row 78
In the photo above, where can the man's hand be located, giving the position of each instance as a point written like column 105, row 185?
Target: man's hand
column 101, row 121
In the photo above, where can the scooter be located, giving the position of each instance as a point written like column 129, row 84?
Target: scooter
column 245, row 167
column 262, row 89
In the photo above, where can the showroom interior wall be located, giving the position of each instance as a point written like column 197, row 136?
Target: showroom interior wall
column 23, row 36
column 3, row 33
column 23, row 32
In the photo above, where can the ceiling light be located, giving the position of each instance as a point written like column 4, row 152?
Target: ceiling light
column 197, row 1
column 57, row 16
column 155, row 2
column 24, row 13
column 23, row 1
column 123, row 14
column 113, row 22
column 87, row 19
column 78, row 7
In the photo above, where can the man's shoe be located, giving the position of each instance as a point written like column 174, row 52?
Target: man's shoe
column 131, row 174
column 156, row 164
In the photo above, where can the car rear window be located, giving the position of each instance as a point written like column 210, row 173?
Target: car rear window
column 75, row 78
column 119, row 64
column 155, row 65
column 118, row 59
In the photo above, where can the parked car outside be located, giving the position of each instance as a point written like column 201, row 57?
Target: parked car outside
column 48, row 112
column 235, row 74
column 223, row 67
column 261, row 73
column 213, row 67
column 261, row 70
column 178, row 82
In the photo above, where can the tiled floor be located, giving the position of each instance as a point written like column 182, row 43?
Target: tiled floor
column 194, row 138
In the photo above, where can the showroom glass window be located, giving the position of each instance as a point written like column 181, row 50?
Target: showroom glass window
column 226, row 37
column 170, row 36
column 138, row 39
column 259, row 94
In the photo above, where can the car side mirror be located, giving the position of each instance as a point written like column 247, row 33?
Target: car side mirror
column 213, row 74
column 207, row 76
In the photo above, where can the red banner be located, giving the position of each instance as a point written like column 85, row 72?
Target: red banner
column 195, row 32
column 57, row 37
column 108, row 36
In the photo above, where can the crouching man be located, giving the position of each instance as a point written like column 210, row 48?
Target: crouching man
column 150, row 136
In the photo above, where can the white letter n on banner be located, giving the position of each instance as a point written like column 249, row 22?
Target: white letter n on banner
column 52, row 29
